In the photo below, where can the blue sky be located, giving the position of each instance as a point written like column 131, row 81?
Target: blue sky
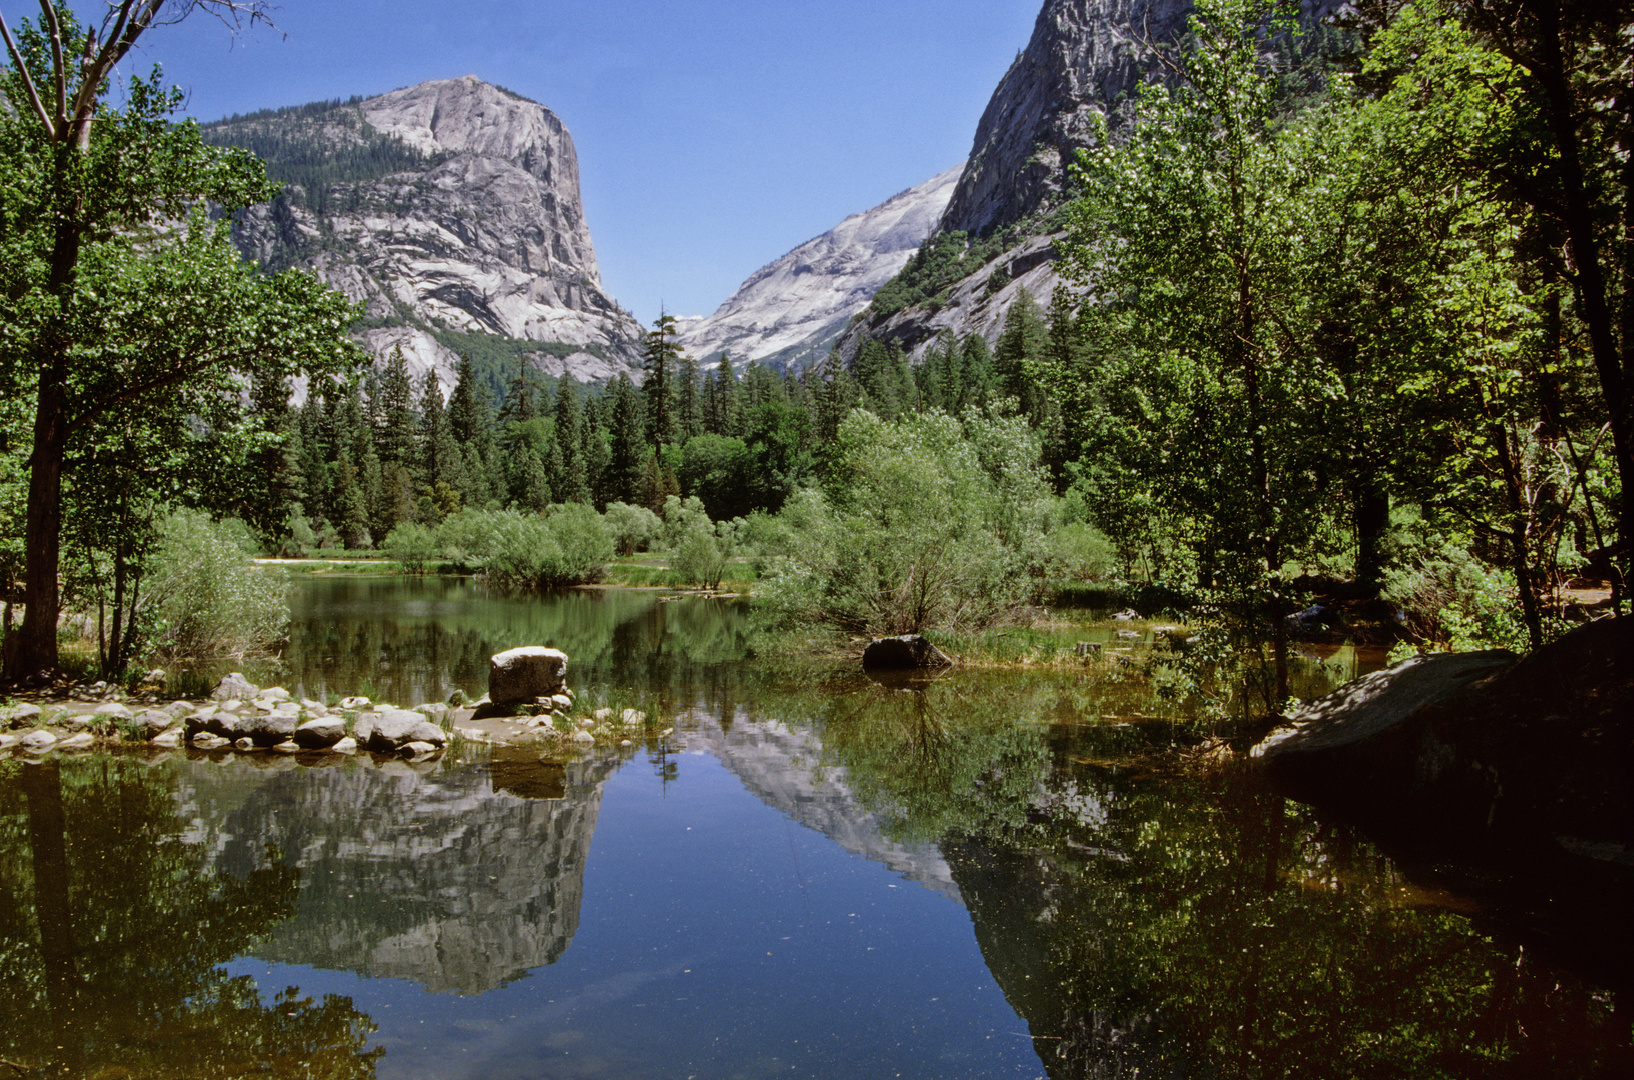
column 713, row 135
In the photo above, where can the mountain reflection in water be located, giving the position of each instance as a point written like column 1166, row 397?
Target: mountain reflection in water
column 985, row 876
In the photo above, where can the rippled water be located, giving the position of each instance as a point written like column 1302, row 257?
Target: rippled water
column 978, row 878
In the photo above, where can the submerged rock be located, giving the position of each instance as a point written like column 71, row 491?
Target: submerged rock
column 910, row 652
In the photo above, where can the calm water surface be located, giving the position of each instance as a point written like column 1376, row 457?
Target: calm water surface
column 972, row 879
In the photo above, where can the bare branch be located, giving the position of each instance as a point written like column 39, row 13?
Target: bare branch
column 28, row 82
column 59, row 69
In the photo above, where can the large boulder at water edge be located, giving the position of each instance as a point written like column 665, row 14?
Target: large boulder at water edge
column 323, row 732
column 525, row 674
column 910, row 652
column 1480, row 749
column 396, row 728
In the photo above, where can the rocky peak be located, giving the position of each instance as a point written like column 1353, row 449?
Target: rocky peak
column 1084, row 56
column 450, row 207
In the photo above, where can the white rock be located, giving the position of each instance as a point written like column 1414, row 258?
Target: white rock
column 804, row 298
column 167, row 740
column 245, row 744
column 581, row 736
column 288, row 747
column 82, row 741
column 113, row 710
column 347, row 745
column 39, row 741
column 353, row 704
column 206, row 741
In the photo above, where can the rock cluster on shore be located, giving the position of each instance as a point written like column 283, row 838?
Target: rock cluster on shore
column 528, row 702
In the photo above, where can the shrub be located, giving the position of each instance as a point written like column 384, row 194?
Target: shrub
column 412, row 546
column 631, row 527
column 209, row 596
column 570, row 546
column 926, row 522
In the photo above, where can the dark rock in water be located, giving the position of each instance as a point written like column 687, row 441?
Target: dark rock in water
column 525, row 674
column 906, row 653
column 1478, row 748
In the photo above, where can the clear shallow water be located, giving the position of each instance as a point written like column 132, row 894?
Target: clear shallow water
column 970, row 880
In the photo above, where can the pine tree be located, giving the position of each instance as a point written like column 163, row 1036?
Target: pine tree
column 1023, row 346
column 688, row 418
column 470, row 413
column 574, row 480
column 721, row 405
column 977, row 377
column 662, row 357
column 627, row 444
column 444, row 465
column 395, row 435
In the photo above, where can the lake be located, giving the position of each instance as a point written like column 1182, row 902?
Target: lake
column 812, row 875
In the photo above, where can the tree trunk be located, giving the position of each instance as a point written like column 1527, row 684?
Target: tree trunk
column 42, row 535
column 1576, row 213
column 1372, row 527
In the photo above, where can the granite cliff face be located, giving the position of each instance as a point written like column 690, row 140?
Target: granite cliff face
column 1085, row 58
column 448, row 206
column 791, row 310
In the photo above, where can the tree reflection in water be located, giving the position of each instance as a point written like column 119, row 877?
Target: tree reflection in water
column 1197, row 925
column 112, row 937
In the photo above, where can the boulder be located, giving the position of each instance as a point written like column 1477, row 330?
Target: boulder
column 354, row 704
column 267, row 729
column 234, row 686
column 1480, row 749
column 82, row 741
column 19, row 714
column 276, row 693
column 435, row 711
column 288, row 746
column 398, row 728
column 39, row 741
column 910, row 652
column 112, row 710
column 363, row 727
column 245, row 744
column 150, row 722
column 526, row 674
column 178, row 709
column 347, row 745
column 8, row 740
column 323, row 732
column 167, row 740
column 204, row 740
column 418, row 750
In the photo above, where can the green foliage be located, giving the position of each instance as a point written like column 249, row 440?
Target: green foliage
column 413, row 546
column 928, row 522
column 315, row 146
column 569, row 546
column 632, row 528
column 209, row 597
